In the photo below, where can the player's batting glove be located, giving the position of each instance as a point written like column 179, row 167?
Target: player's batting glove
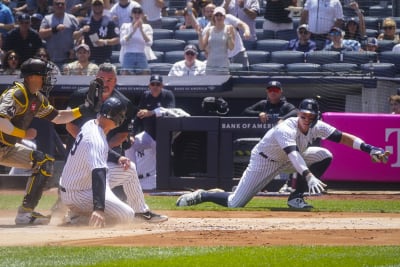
column 379, row 155
column 315, row 185
column 93, row 99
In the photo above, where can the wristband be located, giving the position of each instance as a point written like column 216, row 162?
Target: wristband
column 357, row 143
column 18, row 132
column 54, row 29
column 76, row 113
column 366, row 148
column 305, row 173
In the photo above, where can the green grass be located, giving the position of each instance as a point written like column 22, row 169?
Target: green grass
column 201, row 256
column 315, row 256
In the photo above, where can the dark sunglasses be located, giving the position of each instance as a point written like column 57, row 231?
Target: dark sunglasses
column 303, row 32
column 335, row 33
column 273, row 90
column 13, row 58
column 155, row 84
column 59, row 3
column 388, row 27
column 189, row 53
column 137, row 11
column 219, row 15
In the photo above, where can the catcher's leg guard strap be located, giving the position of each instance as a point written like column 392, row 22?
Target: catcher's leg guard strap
column 42, row 171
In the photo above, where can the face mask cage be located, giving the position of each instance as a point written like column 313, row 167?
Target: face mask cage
column 50, row 80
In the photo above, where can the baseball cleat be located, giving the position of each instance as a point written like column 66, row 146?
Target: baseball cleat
column 151, row 217
column 31, row 218
column 299, row 203
column 190, row 199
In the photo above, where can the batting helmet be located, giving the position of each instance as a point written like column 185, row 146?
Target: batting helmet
column 311, row 106
column 113, row 109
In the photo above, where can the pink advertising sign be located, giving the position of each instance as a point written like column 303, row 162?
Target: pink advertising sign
column 348, row 164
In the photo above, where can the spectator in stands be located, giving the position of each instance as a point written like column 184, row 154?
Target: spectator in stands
column 339, row 44
column 302, row 42
column 78, row 8
column 354, row 29
column 44, row 55
column 36, row 20
column 371, row 44
column 121, row 11
column 23, row 40
column 134, row 38
column 396, row 48
column 246, row 11
column 57, row 29
column 394, row 102
column 82, row 66
column 321, row 16
column 207, row 16
column 2, row 53
column 11, row 63
column 188, row 22
column 217, row 40
column 6, row 19
column 152, row 10
column 389, row 31
column 190, row 66
column 199, row 6
column 274, row 108
column 277, row 17
column 99, row 32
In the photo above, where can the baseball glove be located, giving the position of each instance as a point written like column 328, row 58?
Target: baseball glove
column 379, row 155
column 93, row 98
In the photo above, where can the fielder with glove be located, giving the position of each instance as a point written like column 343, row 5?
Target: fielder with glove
column 285, row 148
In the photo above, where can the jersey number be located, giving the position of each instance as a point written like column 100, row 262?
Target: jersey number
column 77, row 142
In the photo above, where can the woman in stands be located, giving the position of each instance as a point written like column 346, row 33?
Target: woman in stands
column 355, row 30
column 10, row 63
column 44, row 55
column 135, row 38
column 389, row 31
column 216, row 40
column 189, row 21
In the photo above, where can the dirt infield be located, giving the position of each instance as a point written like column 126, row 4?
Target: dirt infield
column 231, row 228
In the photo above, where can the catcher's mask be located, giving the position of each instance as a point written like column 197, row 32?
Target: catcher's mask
column 35, row 66
column 216, row 105
column 114, row 110
column 310, row 106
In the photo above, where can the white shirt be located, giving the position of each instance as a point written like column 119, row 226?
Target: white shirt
column 396, row 48
column 150, row 9
column 180, row 69
column 322, row 14
column 123, row 14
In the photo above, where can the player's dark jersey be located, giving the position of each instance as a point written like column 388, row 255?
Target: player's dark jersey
column 20, row 106
column 166, row 99
column 281, row 110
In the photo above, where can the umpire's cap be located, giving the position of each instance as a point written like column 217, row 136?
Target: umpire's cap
column 113, row 109
column 33, row 66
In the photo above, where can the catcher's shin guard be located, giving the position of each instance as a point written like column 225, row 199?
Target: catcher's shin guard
column 42, row 170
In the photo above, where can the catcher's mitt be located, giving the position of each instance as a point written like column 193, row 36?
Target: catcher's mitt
column 379, row 155
column 93, row 98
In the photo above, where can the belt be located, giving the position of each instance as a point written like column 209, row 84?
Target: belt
column 265, row 156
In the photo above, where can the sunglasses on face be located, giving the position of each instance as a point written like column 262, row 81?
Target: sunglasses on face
column 273, row 90
column 189, row 53
column 137, row 12
column 335, row 33
column 59, row 4
column 303, row 32
column 155, row 84
column 388, row 27
column 219, row 15
column 12, row 58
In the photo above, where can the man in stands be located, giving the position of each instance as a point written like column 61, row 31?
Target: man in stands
column 190, row 66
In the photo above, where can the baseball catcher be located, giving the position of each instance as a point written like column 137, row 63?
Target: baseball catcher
column 285, row 148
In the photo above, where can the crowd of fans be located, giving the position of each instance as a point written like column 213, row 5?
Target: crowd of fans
column 79, row 35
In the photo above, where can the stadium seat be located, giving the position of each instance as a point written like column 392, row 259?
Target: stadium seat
column 343, row 68
column 173, row 56
column 371, row 33
column 165, row 45
column 259, row 22
column 260, row 34
column 385, row 45
column 186, row 35
column 114, row 57
column 287, row 57
column 267, row 68
column 379, row 11
column 235, row 67
column 162, row 34
column 390, row 57
column 268, row 34
column 359, row 57
column 272, row 45
column 296, row 22
column 372, row 22
column 303, row 68
column 169, row 23
column 286, row 34
column 159, row 59
column 379, row 69
column 160, row 68
column 323, row 57
column 256, row 56
column 194, row 42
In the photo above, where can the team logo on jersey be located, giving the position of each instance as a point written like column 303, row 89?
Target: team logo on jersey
column 11, row 111
column 33, row 106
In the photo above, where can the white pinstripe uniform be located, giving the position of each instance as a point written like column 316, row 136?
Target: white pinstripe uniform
column 263, row 168
column 89, row 152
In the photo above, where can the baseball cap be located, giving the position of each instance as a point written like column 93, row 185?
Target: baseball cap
column 84, row 46
column 156, row 78
column 274, row 84
column 37, row 16
column 336, row 29
column 372, row 41
column 24, row 17
column 220, row 10
column 352, row 20
column 192, row 48
column 303, row 26
column 98, row 1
